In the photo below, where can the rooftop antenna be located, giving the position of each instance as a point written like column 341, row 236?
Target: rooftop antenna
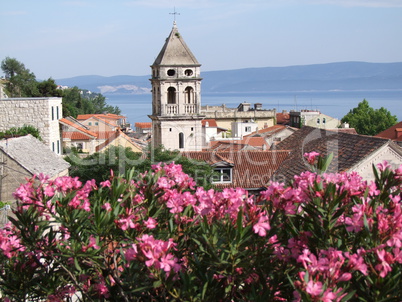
column 174, row 15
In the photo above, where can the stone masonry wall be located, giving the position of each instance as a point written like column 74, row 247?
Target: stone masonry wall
column 41, row 113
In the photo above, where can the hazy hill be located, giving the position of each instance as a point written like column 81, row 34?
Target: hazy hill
column 332, row 76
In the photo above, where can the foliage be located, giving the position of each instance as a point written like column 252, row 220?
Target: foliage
column 49, row 88
column 119, row 159
column 77, row 101
column 155, row 237
column 21, row 131
column 369, row 121
column 21, row 82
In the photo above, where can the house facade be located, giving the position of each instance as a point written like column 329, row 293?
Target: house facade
column 312, row 118
column 244, row 113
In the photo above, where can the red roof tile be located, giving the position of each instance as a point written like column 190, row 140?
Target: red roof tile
column 282, row 118
column 143, row 125
column 211, row 122
column 78, row 128
column 348, row 150
column 394, row 133
column 75, row 135
column 267, row 131
column 105, row 116
column 252, row 169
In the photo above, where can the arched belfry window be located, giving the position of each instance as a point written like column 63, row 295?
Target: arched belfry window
column 189, row 95
column 171, row 95
column 181, row 140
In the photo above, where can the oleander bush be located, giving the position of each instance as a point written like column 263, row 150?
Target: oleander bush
column 157, row 237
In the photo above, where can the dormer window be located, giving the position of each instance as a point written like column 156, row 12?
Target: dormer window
column 222, row 175
column 171, row 72
column 188, row 72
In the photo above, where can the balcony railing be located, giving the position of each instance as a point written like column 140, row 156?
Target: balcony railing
column 175, row 109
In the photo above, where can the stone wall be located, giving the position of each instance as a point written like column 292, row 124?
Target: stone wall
column 41, row 113
column 11, row 176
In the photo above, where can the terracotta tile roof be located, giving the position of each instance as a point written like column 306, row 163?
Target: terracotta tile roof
column 98, row 117
column 143, row 125
column 346, row 130
column 211, row 122
column 255, row 142
column 252, row 169
column 81, row 130
column 104, row 134
column 226, row 146
column 283, row 118
column 267, row 131
column 75, row 135
column 105, row 116
column 114, row 135
column 394, row 133
column 348, row 149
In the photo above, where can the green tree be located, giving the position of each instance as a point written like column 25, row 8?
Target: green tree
column 369, row 121
column 77, row 101
column 48, row 88
column 21, row 82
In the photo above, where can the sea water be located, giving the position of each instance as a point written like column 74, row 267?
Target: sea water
column 333, row 103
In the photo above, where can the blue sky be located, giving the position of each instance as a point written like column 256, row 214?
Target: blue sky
column 62, row 39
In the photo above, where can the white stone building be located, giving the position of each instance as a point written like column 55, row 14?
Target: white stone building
column 313, row 118
column 176, row 97
column 42, row 113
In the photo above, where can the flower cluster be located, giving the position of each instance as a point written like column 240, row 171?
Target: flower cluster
column 325, row 237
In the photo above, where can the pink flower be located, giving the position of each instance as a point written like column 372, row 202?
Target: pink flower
column 107, row 207
column 92, row 244
column 385, row 259
column 105, row 183
column 169, row 262
column 383, row 166
column 150, row 223
column 262, row 226
column 314, row 288
column 102, row 289
column 131, row 253
column 311, row 157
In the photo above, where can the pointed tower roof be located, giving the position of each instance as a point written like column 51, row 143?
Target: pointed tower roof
column 175, row 51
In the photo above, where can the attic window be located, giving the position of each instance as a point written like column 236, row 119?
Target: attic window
column 171, row 72
column 222, row 175
column 188, row 72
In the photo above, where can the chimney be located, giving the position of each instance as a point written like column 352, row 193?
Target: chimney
column 257, row 106
column 398, row 132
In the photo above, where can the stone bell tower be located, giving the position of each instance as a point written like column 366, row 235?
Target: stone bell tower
column 176, row 97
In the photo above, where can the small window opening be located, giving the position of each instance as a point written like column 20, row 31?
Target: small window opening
column 171, row 72
column 188, row 72
column 171, row 95
column 181, row 140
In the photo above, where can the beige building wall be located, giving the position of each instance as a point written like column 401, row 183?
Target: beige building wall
column 391, row 155
column 192, row 134
column 123, row 142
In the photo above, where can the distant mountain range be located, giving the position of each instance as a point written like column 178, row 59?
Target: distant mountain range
column 321, row 77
